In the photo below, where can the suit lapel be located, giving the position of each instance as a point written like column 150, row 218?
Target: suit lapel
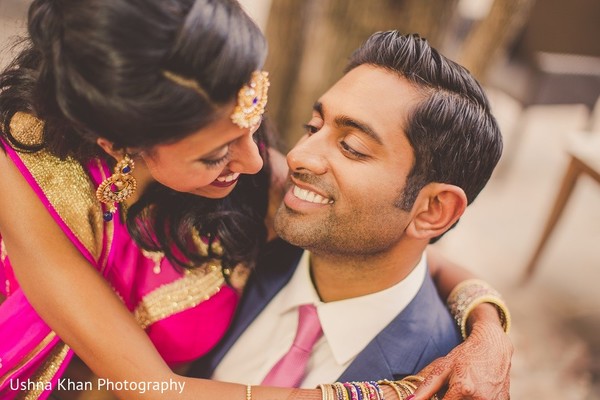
column 397, row 350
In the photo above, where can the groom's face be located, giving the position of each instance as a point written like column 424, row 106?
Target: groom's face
column 349, row 170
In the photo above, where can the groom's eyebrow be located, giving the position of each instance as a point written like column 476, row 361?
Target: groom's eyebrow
column 318, row 107
column 349, row 122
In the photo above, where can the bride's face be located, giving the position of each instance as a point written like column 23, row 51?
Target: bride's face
column 208, row 162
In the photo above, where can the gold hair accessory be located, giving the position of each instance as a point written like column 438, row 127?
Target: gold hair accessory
column 252, row 100
column 186, row 82
column 469, row 294
column 118, row 187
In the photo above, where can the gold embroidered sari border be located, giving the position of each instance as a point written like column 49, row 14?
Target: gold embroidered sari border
column 33, row 353
column 79, row 209
column 3, row 253
column 109, row 231
column 187, row 292
column 46, row 372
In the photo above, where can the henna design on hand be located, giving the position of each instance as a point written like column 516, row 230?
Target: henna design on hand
column 477, row 369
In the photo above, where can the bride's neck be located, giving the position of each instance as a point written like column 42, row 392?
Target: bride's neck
column 143, row 177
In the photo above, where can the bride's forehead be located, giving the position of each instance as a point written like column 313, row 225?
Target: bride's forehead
column 205, row 140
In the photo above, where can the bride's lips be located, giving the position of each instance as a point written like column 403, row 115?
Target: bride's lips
column 226, row 180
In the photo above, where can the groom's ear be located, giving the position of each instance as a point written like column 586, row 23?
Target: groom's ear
column 437, row 208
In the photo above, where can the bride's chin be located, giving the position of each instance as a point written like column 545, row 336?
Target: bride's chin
column 213, row 192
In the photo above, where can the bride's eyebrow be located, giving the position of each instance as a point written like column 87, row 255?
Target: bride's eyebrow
column 217, row 150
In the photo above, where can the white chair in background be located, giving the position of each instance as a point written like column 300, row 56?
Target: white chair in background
column 584, row 152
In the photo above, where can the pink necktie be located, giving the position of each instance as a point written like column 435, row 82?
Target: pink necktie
column 291, row 368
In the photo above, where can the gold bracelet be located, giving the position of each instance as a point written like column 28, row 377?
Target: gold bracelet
column 394, row 387
column 405, row 387
column 365, row 391
column 248, row 392
column 414, row 378
column 327, row 391
column 413, row 381
column 341, row 391
column 411, row 386
column 469, row 294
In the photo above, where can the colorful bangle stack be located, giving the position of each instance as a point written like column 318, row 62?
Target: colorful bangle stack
column 351, row 391
column 370, row 390
column 469, row 294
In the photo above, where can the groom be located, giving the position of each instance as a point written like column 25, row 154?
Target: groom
column 393, row 154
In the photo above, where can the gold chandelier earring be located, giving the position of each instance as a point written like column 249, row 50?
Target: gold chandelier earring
column 118, row 187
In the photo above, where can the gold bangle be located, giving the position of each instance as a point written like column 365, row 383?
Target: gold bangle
column 394, row 387
column 415, row 378
column 248, row 392
column 406, row 387
column 366, row 392
column 327, row 391
column 469, row 294
column 413, row 381
column 340, row 390
column 411, row 386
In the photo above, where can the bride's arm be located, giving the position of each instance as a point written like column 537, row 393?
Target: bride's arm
column 480, row 366
column 78, row 304
column 445, row 273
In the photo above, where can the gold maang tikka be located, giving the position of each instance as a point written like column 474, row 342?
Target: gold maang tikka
column 118, row 187
column 251, row 99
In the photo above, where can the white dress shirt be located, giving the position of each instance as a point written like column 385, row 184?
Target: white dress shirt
column 348, row 326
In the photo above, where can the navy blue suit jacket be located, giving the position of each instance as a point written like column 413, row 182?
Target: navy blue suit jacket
column 423, row 331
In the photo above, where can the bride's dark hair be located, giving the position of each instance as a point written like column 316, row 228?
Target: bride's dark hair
column 96, row 68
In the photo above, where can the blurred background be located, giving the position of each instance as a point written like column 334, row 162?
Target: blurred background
column 534, row 232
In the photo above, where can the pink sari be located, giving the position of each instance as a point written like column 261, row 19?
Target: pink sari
column 184, row 314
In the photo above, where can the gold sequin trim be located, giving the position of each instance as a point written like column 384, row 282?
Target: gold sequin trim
column 187, row 292
column 109, row 230
column 156, row 257
column 44, row 375
column 238, row 277
column 202, row 244
column 32, row 354
column 78, row 208
column 3, row 253
column 27, row 129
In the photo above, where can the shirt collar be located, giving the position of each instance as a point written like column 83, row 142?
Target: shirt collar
column 364, row 316
column 300, row 289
